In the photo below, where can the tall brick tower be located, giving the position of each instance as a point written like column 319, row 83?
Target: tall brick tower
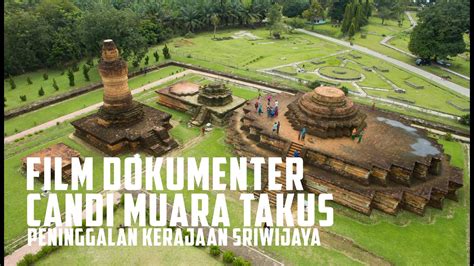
column 118, row 108
column 122, row 124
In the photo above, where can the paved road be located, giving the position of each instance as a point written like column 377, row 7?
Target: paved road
column 413, row 23
column 452, row 86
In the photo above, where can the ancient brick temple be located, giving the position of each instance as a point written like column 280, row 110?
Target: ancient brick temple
column 215, row 94
column 57, row 150
column 212, row 102
column 326, row 113
column 122, row 124
column 394, row 166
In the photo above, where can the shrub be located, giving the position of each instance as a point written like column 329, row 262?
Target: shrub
column 45, row 76
column 55, row 85
column 23, row 98
column 448, row 137
column 156, row 55
column 90, row 62
column 85, row 71
column 214, row 251
column 345, row 90
column 70, row 76
column 228, row 257
column 313, row 84
column 465, row 119
column 75, row 68
column 189, row 35
column 28, row 79
column 28, row 259
column 166, row 52
column 239, row 261
column 146, row 60
column 12, row 83
column 41, row 91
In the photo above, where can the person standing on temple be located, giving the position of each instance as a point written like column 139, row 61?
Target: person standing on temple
column 256, row 105
column 296, row 153
column 269, row 98
column 302, row 134
column 274, row 128
column 278, row 127
column 360, row 135
column 354, row 133
column 203, row 130
column 260, row 111
column 269, row 110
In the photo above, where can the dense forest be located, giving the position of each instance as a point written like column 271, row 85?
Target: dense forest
column 59, row 33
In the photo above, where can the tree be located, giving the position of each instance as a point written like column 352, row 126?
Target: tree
column 314, row 12
column 387, row 9
column 352, row 29
column 12, row 83
column 439, row 32
column 45, row 76
column 295, row 8
column 156, row 55
column 28, row 80
column 70, row 76
column 122, row 26
column 85, row 71
column 55, row 85
column 166, row 52
column 215, row 21
column 41, row 91
column 337, row 9
column 146, row 60
column 274, row 17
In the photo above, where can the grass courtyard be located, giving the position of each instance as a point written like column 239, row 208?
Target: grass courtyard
column 372, row 34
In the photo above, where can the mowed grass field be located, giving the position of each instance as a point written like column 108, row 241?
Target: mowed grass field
column 40, row 116
column 138, row 255
column 375, row 32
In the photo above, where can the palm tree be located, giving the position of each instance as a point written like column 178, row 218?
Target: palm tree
column 191, row 18
column 215, row 22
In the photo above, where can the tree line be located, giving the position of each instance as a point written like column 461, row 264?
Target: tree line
column 58, row 33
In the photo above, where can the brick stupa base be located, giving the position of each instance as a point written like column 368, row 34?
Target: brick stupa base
column 149, row 133
column 394, row 167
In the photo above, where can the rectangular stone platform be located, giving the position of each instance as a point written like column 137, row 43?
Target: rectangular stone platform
column 149, row 134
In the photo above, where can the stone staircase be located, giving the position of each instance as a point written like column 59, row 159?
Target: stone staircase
column 201, row 116
column 294, row 146
column 158, row 141
column 281, row 179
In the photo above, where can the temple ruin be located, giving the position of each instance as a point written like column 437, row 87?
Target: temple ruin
column 395, row 166
column 57, row 150
column 212, row 102
column 122, row 124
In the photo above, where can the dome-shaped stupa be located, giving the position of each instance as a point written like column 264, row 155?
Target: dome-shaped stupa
column 326, row 112
column 215, row 94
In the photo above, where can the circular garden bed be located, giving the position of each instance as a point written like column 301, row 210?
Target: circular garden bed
column 340, row 73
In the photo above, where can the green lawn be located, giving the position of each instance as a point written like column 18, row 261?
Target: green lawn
column 138, row 255
column 60, row 75
column 46, row 114
column 374, row 34
column 37, row 117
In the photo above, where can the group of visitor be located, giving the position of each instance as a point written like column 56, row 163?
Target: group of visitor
column 272, row 110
